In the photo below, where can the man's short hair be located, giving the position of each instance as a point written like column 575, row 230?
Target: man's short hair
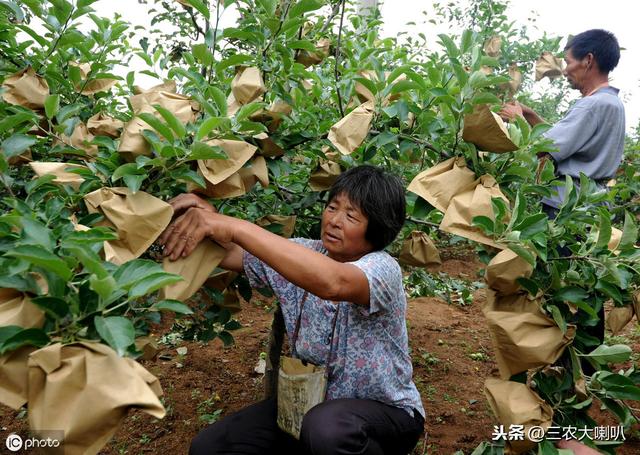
column 380, row 197
column 601, row 43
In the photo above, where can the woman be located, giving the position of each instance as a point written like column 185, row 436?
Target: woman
column 372, row 406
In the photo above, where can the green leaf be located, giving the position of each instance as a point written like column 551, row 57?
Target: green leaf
column 485, row 98
column 604, row 232
column 53, row 306
column 51, row 105
column 403, row 86
column 172, row 305
column 117, row 331
column 210, row 124
column 530, row 285
column 26, row 337
column 557, row 317
column 449, row 45
column 36, row 233
column 90, row 260
column 605, row 354
column 571, row 294
column 629, row 233
column 202, row 151
column 220, row 99
column 247, row 110
column 531, row 226
column 16, row 144
column 610, row 290
column 237, row 59
column 367, row 83
column 485, row 223
column 152, row 283
column 618, row 386
column 202, row 53
column 157, row 125
column 523, row 253
column 173, row 122
column 302, row 44
column 41, row 258
column 104, row 287
column 15, row 9
column 134, row 271
column 304, row 6
column 8, row 331
column 134, row 182
column 201, row 7
column 268, row 5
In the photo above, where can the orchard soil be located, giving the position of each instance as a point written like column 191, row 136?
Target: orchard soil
column 450, row 347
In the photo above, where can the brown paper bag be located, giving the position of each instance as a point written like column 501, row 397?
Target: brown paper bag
column 255, row 172
column 323, row 176
column 166, row 86
column 349, row 132
column 132, row 142
column 221, row 280
column 365, row 95
column 307, row 58
column 148, row 345
column 487, row 131
column 635, row 301
column 514, row 403
column 619, row 317
column 238, row 153
column 195, row 269
column 103, row 125
column 438, row 184
column 247, row 85
column 61, row 171
column 138, row 218
column 523, row 336
column 233, row 106
column 86, row 390
column 237, row 184
column 93, row 86
column 271, row 116
column 23, row 158
column 548, row 66
column 267, row 146
column 492, row 46
column 80, row 139
column 475, row 201
column 418, row 250
column 614, row 241
column 503, row 271
column 14, row 376
column 26, row 88
column 288, row 223
column 514, row 84
column 16, row 309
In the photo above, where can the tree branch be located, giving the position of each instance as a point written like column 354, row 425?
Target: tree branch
column 337, row 59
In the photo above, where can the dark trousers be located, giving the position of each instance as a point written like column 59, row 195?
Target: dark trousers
column 343, row 426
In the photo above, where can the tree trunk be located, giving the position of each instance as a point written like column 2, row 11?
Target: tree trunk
column 276, row 339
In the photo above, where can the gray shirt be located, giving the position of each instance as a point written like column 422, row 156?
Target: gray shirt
column 590, row 139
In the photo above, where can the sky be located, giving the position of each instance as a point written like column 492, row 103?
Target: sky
column 555, row 17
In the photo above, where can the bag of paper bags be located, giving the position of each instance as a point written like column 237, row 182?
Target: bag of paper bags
column 438, row 184
column 61, row 171
column 138, row 218
column 286, row 224
column 85, row 389
column 349, row 132
column 486, row 130
column 548, row 66
column 103, row 125
column 195, row 269
column 503, row 271
column 25, row 88
column 472, row 202
column 418, row 250
column 523, row 336
column 514, row 403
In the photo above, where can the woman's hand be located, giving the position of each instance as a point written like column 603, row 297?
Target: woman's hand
column 185, row 201
column 183, row 235
column 511, row 111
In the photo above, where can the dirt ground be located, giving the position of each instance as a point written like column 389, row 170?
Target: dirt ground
column 450, row 347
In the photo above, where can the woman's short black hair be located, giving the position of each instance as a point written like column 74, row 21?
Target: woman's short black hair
column 380, row 197
column 601, row 43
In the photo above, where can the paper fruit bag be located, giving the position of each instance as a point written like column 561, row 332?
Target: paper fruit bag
column 247, row 85
column 492, row 46
column 16, row 309
column 619, row 317
column 103, row 125
column 25, row 88
column 286, row 223
column 267, row 146
column 217, row 170
column 349, row 132
column 548, row 66
column 61, row 171
column 514, row 84
column 14, row 374
column 307, row 58
column 94, row 85
column 523, row 336
column 80, row 139
column 418, row 250
column 324, row 175
column 271, row 116
column 503, row 271
column 195, row 269
column 138, row 218
column 486, row 130
column 438, row 184
column 475, row 201
column 86, row 390
column 514, row 403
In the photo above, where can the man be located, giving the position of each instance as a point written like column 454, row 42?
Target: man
column 590, row 138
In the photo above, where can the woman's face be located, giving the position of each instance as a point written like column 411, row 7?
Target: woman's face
column 343, row 230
